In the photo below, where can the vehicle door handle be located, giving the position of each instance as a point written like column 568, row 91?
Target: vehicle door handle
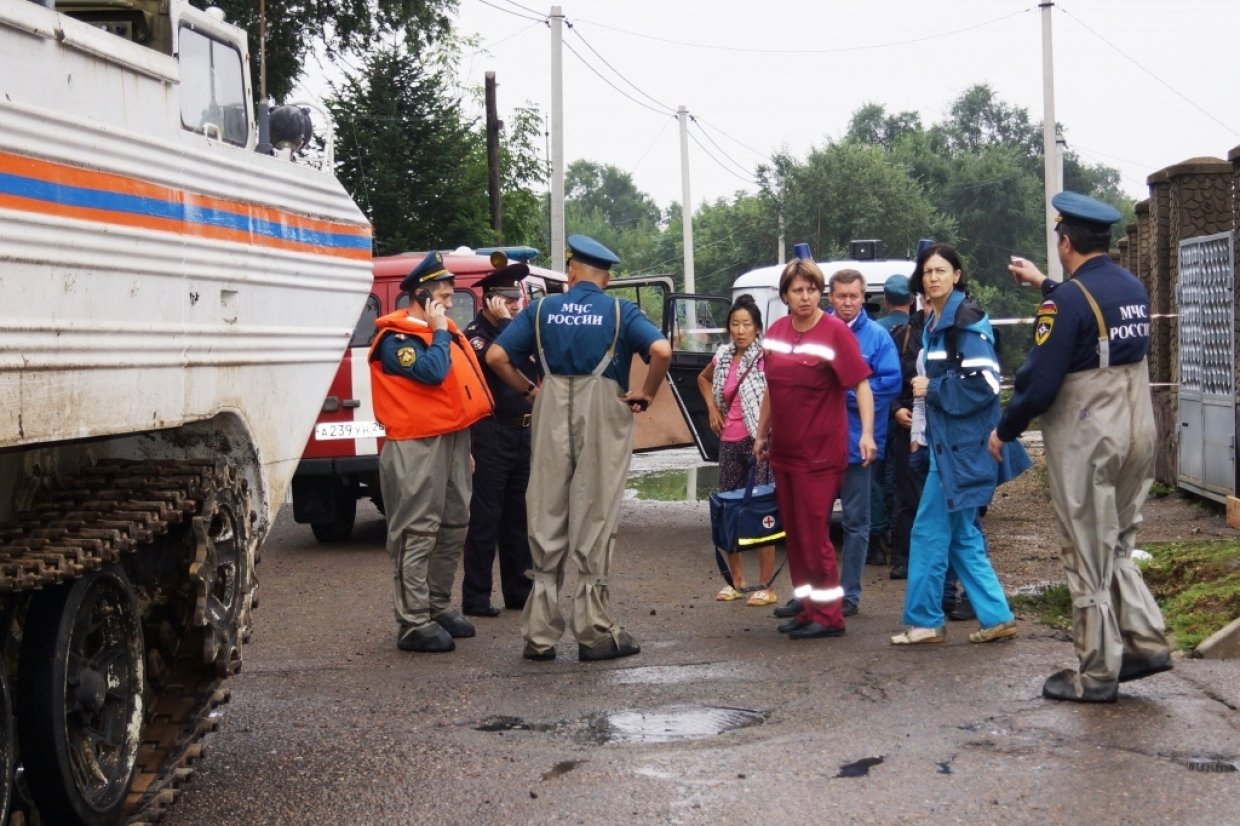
column 351, row 404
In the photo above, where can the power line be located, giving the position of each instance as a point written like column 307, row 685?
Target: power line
column 838, row 50
column 524, row 8
column 720, row 163
column 662, row 129
column 589, row 66
column 738, row 165
column 1142, row 67
column 617, row 71
column 763, row 155
column 539, row 19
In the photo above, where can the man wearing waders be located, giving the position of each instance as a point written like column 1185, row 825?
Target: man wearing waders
column 1086, row 376
column 582, row 440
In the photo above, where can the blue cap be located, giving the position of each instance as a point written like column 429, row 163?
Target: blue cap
column 590, row 252
column 896, row 290
column 505, row 281
column 1075, row 207
column 801, row 251
column 429, row 269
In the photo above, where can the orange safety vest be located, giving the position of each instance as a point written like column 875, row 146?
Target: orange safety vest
column 409, row 409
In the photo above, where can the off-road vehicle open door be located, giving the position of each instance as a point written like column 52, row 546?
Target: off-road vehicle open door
column 695, row 325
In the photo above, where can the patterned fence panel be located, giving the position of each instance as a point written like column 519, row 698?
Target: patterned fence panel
column 1206, row 297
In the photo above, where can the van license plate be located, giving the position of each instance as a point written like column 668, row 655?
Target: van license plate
column 348, row 430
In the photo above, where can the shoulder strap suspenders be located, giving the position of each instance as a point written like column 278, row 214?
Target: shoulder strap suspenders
column 1104, row 347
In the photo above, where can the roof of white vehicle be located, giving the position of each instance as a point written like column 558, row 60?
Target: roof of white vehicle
column 875, row 272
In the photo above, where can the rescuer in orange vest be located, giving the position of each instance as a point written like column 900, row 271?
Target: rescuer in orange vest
column 427, row 389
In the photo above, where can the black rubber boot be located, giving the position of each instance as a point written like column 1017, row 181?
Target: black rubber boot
column 1062, row 686
column 429, row 639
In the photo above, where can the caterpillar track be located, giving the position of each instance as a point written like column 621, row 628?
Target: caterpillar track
column 177, row 534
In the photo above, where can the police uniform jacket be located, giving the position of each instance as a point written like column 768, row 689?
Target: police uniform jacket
column 1066, row 335
column 576, row 328
column 509, row 404
column 879, row 352
column 424, row 383
column 962, row 401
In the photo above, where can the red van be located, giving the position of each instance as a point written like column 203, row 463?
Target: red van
column 341, row 461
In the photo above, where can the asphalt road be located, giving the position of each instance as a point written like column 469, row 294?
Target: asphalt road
column 330, row 724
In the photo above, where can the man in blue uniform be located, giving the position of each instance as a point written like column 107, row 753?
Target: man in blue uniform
column 501, row 462
column 582, row 441
column 1086, row 376
column 847, row 295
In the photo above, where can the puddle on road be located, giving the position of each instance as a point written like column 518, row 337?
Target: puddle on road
column 686, row 485
column 502, row 723
column 859, row 768
column 671, row 724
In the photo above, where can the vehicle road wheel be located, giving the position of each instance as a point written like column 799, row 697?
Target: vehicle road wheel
column 81, row 697
column 339, row 529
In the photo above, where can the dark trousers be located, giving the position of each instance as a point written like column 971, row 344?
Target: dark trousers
column 497, row 515
column 909, row 471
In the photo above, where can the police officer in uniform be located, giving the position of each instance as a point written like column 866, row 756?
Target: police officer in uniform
column 428, row 389
column 584, row 342
column 1086, row 376
column 501, row 461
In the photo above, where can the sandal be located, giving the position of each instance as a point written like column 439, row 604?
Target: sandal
column 995, row 632
column 766, row 596
column 728, row 594
column 917, row 636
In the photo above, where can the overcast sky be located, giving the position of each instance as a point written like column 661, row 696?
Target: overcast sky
column 1139, row 84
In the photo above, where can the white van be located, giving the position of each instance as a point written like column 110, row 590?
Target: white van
column 697, row 324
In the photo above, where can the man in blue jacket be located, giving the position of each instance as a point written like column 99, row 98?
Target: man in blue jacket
column 847, row 295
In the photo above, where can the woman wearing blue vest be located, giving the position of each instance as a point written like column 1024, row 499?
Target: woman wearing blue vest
column 959, row 383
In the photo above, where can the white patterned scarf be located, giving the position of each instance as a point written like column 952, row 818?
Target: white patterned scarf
column 753, row 385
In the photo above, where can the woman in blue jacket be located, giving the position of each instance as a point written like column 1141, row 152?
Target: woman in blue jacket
column 959, row 383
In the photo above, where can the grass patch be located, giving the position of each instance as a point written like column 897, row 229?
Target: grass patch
column 1050, row 605
column 1196, row 584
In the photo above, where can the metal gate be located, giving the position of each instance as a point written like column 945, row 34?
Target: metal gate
column 1206, row 295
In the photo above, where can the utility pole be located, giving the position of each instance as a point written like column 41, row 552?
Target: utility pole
column 1052, row 160
column 493, row 126
column 686, row 205
column 557, row 139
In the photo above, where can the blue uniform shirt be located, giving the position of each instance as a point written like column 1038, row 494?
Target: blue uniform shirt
column 577, row 328
column 893, row 319
column 1065, row 336
column 878, row 349
column 432, row 363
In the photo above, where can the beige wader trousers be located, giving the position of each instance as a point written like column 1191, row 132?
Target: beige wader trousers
column 426, row 485
column 581, row 444
column 1100, row 439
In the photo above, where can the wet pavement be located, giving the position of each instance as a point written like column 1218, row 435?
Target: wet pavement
column 719, row 720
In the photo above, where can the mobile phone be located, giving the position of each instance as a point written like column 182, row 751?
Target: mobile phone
column 422, row 297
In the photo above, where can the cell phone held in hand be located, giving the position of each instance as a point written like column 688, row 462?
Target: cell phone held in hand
column 1016, row 262
column 422, row 297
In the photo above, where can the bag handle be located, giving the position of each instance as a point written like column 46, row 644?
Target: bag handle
column 753, row 478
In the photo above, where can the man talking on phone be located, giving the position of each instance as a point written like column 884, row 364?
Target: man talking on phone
column 428, row 389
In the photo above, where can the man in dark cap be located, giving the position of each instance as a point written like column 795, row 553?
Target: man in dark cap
column 501, row 461
column 428, row 389
column 584, row 342
column 1086, row 377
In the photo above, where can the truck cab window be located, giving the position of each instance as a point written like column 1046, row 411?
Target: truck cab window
column 212, row 88
column 365, row 329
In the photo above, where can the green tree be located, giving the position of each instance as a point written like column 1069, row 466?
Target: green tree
column 294, row 27
column 523, row 175
column 416, row 169
column 848, row 190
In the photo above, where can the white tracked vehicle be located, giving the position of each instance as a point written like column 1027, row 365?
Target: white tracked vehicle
column 173, row 305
